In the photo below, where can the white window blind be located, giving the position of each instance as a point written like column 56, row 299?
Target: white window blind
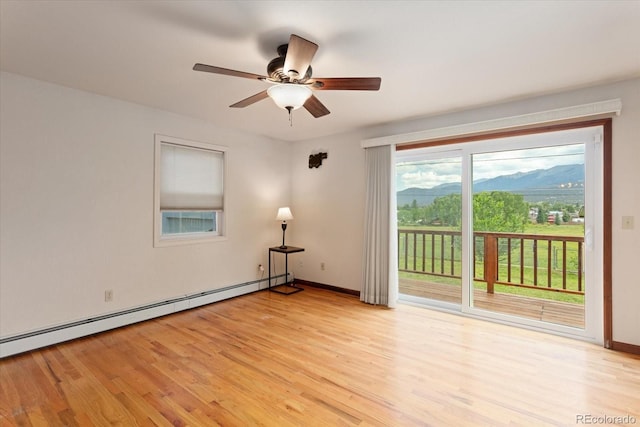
column 191, row 178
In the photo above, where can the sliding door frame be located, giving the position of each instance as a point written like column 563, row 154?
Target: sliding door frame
column 606, row 124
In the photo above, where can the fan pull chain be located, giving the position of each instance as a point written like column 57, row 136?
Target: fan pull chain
column 290, row 109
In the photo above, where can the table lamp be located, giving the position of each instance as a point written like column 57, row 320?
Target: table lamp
column 284, row 214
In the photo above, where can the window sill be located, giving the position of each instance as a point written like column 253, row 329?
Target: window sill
column 186, row 240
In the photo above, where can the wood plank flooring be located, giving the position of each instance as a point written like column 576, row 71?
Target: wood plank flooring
column 562, row 313
column 317, row 358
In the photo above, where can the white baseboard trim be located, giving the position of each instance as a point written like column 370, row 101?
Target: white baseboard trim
column 21, row 343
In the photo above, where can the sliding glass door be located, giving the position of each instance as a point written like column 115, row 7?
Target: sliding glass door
column 429, row 224
column 528, row 222
column 506, row 229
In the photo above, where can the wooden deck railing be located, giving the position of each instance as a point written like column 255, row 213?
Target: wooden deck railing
column 544, row 262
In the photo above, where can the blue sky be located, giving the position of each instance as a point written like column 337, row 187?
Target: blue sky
column 429, row 173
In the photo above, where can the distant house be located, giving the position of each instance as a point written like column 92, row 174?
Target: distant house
column 533, row 214
column 551, row 217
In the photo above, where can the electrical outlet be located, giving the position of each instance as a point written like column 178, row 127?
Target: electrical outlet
column 260, row 267
column 108, row 295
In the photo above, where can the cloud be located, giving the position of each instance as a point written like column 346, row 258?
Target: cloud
column 428, row 173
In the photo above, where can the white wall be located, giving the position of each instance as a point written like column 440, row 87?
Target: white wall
column 76, row 206
column 327, row 204
column 330, row 204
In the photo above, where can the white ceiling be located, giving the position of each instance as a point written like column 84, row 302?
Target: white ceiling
column 433, row 56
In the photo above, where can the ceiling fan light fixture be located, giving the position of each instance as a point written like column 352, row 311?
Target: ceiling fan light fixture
column 289, row 96
column 290, row 74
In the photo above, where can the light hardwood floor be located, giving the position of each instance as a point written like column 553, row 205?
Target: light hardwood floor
column 317, row 358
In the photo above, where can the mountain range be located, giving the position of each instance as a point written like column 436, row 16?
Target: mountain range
column 564, row 183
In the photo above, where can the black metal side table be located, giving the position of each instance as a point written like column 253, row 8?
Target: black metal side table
column 286, row 288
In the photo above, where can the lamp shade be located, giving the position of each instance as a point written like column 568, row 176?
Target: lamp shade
column 284, row 214
column 289, row 95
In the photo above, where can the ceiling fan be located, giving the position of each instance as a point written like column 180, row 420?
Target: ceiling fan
column 290, row 76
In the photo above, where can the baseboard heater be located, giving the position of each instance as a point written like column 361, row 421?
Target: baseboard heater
column 56, row 334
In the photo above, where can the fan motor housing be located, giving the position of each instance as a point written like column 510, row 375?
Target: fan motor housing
column 275, row 68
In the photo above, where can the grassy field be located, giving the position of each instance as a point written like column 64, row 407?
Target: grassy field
column 555, row 230
column 437, row 260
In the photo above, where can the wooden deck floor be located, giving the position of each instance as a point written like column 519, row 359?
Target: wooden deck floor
column 557, row 312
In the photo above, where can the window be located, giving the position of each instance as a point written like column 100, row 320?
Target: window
column 189, row 191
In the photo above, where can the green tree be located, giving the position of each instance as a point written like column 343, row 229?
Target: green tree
column 448, row 209
column 404, row 216
column 499, row 211
column 415, row 212
column 541, row 218
column 492, row 211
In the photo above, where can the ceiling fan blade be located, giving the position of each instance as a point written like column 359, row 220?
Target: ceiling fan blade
column 250, row 100
column 300, row 52
column 347, row 83
column 315, row 107
column 227, row 72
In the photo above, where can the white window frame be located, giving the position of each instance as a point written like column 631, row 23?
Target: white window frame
column 591, row 137
column 173, row 239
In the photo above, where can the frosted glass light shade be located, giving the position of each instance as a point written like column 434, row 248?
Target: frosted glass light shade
column 289, row 95
column 284, row 214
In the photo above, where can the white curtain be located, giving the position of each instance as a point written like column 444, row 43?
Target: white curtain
column 380, row 270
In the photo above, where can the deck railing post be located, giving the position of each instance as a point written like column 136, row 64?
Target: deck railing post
column 490, row 261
